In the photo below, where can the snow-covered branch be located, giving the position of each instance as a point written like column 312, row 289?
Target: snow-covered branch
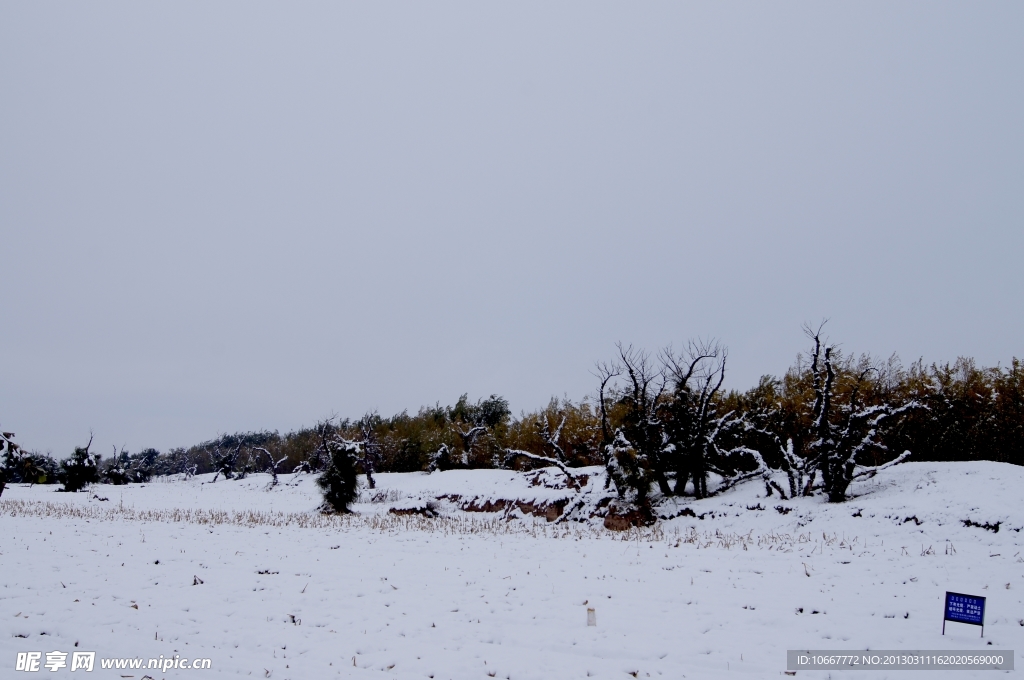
column 872, row 471
column 512, row 454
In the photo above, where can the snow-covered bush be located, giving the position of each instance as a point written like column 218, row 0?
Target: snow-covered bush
column 338, row 481
column 123, row 468
column 31, row 468
column 117, row 471
column 80, row 469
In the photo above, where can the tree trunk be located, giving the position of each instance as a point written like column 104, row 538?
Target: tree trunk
column 681, row 478
column 700, row 481
column 836, row 482
column 663, row 483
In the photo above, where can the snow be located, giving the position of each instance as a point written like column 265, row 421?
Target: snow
column 505, row 594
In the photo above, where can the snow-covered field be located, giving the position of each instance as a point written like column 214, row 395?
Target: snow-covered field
column 288, row 593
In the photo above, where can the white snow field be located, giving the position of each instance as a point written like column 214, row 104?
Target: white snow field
column 263, row 585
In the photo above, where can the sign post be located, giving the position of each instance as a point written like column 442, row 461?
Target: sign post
column 964, row 609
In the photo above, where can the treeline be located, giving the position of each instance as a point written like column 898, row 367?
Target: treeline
column 659, row 422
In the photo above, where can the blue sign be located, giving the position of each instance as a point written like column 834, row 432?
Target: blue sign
column 964, row 609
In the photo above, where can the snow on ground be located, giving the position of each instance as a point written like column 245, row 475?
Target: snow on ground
column 288, row 593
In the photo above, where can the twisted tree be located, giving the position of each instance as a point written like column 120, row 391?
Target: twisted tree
column 843, row 428
column 634, row 457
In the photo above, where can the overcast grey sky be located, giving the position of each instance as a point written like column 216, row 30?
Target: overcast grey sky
column 222, row 216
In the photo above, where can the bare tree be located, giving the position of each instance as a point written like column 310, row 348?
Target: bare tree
column 8, row 451
column 669, row 423
column 635, row 454
column 697, row 376
column 551, row 440
column 695, row 430
column 119, row 470
column 271, row 465
column 844, row 431
column 799, row 475
column 365, row 451
column 189, row 466
column 444, row 457
column 225, row 460
column 371, row 451
column 606, row 373
column 320, row 455
column 468, row 439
